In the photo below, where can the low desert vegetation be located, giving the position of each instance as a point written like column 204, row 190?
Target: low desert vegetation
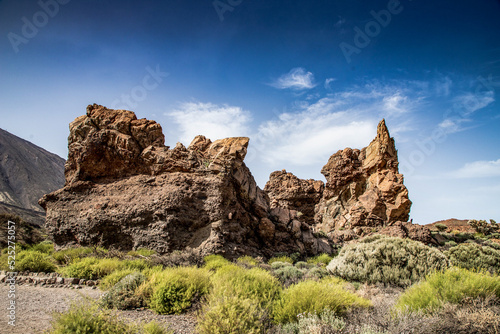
column 420, row 289
column 313, row 297
column 453, row 286
column 476, row 257
column 381, row 259
column 88, row 318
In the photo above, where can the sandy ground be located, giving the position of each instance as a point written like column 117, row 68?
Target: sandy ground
column 36, row 305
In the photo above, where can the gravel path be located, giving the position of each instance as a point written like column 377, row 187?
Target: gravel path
column 35, row 306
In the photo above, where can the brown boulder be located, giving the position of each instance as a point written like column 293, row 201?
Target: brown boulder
column 287, row 191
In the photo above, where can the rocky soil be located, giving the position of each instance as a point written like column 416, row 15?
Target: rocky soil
column 35, row 306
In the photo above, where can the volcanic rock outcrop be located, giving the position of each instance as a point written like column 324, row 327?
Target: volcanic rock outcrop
column 364, row 194
column 125, row 189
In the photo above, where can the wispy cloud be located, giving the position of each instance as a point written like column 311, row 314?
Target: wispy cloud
column 478, row 169
column 463, row 108
column 297, row 79
column 313, row 134
column 328, row 82
column 211, row 120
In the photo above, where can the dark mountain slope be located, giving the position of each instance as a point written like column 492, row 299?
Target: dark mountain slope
column 27, row 172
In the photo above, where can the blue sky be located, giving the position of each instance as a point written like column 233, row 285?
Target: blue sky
column 302, row 79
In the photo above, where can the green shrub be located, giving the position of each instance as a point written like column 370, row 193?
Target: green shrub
column 34, row 261
column 66, row 256
column 303, row 265
column 86, row 318
column 316, row 273
column 142, row 252
column 450, row 243
column 94, row 268
column 286, row 259
column 441, row 227
column 46, row 247
column 247, row 261
column 288, row 274
column 122, row 295
column 239, row 301
column 113, row 278
column 231, row 314
column 388, row 260
column 279, row 264
column 484, row 228
column 214, row 262
column 451, row 286
column 255, row 283
column 320, row 259
column 474, row 256
column 175, row 289
column 315, row 297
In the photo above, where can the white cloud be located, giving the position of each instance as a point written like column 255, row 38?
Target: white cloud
column 469, row 103
column 396, row 103
column 328, row 82
column 312, row 135
column 211, row 120
column 478, row 169
column 297, row 79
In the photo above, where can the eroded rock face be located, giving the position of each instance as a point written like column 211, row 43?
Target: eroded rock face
column 125, row 189
column 287, row 191
column 364, row 193
column 364, row 187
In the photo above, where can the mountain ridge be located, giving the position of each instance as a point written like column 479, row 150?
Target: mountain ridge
column 27, row 172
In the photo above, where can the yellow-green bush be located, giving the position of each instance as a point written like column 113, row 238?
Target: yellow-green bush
column 320, row 259
column 86, row 318
column 175, row 289
column 239, row 301
column 46, row 247
column 247, row 261
column 113, row 278
column 474, row 256
column 286, row 259
column 315, row 297
column 255, row 283
column 94, row 268
column 230, row 314
column 214, row 262
column 450, row 286
column 388, row 260
column 34, row 261
column 66, row 256
column 142, row 252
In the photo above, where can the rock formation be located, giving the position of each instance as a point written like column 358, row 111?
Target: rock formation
column 364, row 193
column 288, row 191
column 125, row 189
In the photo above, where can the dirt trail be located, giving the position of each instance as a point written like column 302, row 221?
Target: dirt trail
column 35, row 306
